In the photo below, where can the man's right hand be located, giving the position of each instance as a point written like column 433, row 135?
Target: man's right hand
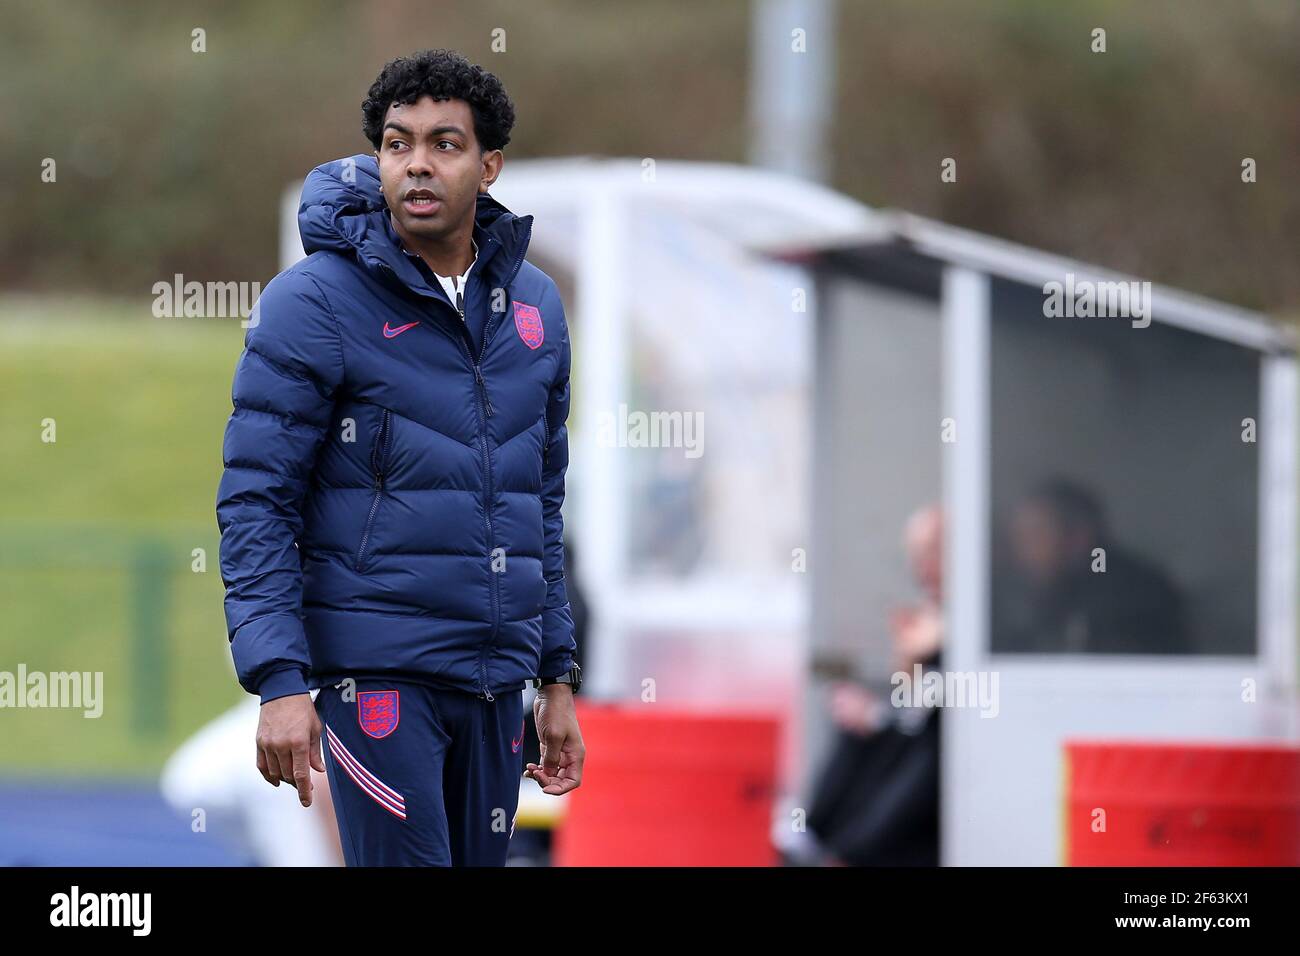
column 854, row 708
column 288, row 743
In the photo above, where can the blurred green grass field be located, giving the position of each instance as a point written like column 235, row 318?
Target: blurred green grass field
column 139, row 405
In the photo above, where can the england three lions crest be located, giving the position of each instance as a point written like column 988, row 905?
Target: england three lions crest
column 377, row 711
column 528, row 323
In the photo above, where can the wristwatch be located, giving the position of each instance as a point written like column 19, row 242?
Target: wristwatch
column 573, row 677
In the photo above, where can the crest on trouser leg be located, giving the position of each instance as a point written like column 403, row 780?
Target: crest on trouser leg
column 377, row 711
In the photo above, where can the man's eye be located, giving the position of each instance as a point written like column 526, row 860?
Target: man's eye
column 395, row 143
column 446, row 142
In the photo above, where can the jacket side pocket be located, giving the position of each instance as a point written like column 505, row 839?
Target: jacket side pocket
column 378, row 465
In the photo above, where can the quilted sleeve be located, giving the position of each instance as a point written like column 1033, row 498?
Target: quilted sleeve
column 558, row 645
column 283, row 396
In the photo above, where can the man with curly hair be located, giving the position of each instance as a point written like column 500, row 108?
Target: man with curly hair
column 394, row 470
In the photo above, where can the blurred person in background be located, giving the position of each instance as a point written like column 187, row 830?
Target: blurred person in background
column 876, row 802
column 1072, row 588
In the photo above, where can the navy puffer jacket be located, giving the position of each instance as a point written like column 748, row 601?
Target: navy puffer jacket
column 391, row 496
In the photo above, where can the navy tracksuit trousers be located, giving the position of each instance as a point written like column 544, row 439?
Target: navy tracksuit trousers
column 422, row 776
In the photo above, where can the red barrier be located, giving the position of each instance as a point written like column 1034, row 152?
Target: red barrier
column 1149, row 804
column 671, row 788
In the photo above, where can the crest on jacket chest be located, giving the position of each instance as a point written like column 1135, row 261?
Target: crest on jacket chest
column 528, row 323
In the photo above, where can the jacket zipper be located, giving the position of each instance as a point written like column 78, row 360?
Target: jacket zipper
column 546, row 439
column 378, row 461
column 485, row 412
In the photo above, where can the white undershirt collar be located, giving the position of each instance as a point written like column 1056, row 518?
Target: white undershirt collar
column 452, row 285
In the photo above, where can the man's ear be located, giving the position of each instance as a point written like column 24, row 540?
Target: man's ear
column 493, row 160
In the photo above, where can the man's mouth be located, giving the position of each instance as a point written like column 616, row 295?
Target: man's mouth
column 420, row 201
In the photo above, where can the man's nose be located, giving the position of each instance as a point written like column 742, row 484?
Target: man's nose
column 420, row 164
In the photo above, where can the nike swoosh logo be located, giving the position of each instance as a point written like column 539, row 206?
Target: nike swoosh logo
column 514, row 744
column 390, row 333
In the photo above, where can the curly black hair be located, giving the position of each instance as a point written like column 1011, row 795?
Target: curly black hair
column 442, row 74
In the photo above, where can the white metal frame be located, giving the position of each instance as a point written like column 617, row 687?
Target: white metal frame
column 603, row 192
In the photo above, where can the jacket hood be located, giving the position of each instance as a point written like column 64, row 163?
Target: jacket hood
column 342, row 210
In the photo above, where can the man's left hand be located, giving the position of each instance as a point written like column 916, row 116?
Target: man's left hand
column 562, row 750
